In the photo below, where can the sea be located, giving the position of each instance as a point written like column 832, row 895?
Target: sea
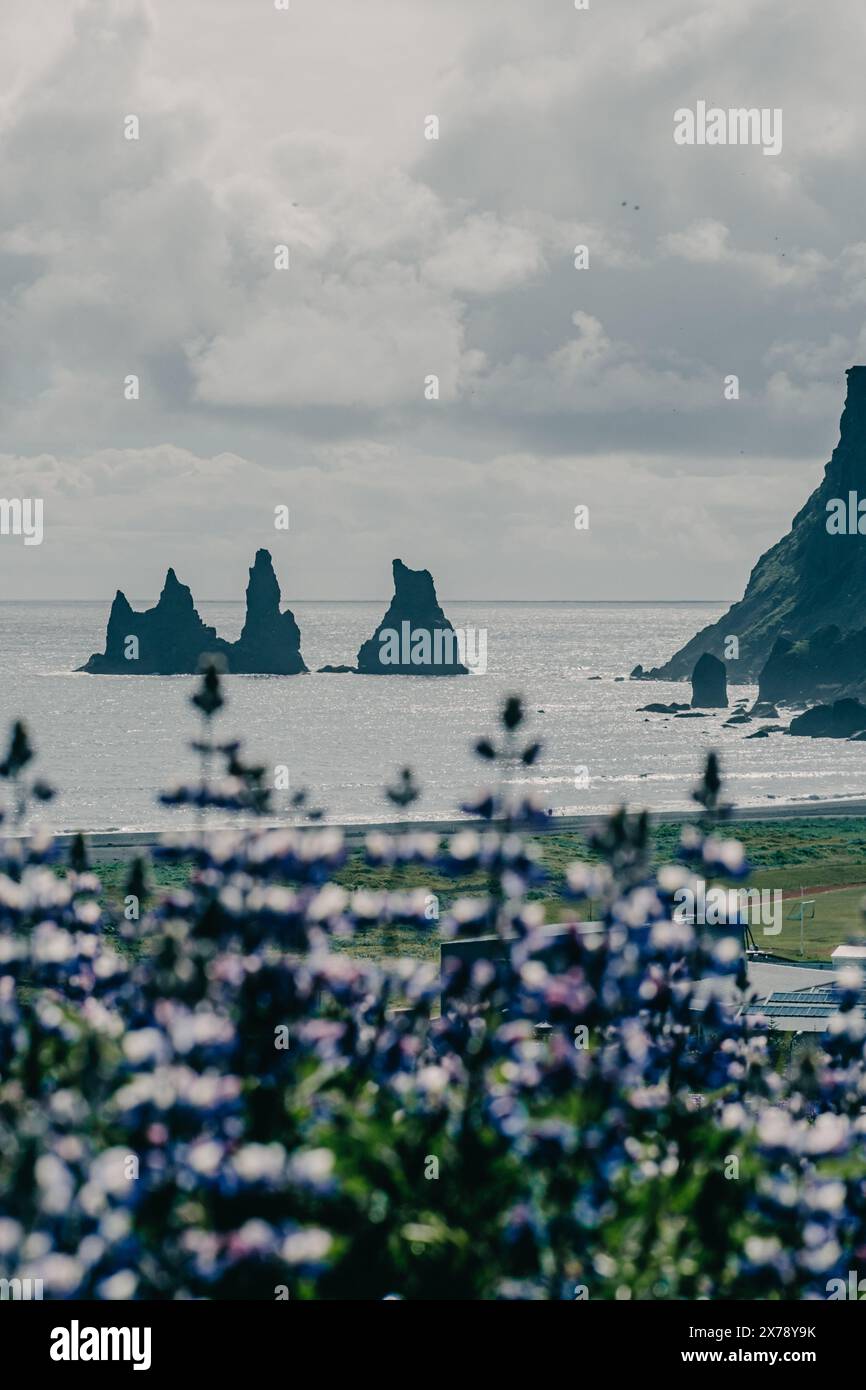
column 110, row 744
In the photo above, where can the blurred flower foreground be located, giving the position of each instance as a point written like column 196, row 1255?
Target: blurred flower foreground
column 200, row 1098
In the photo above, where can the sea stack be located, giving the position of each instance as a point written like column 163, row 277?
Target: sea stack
column 709, row 683
column 414, row 638
column 270, row 642
column 814, row 577
column 170, row 639
column 165, row 640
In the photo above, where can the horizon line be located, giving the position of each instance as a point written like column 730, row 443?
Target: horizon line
column 643, row 602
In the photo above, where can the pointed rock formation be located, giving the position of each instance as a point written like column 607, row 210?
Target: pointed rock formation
column 709, row 683
column 170, row 638
column 164, row 640
column 414, row 638
column 270, row 642
column 812, row 577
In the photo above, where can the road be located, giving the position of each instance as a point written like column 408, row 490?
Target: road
column 117, row 845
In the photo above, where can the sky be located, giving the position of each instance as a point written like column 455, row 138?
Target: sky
column 411, row 258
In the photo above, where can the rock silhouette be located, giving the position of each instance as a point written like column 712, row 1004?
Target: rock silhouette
column 842, row 719
column 828, row 665
column 659, row 707
column 709, row 683
column 810, row 578
column 270, row 641
column 170, row 638
column 414, row 638
column 764, row 709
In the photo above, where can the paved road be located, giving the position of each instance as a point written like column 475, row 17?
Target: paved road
column 113, row 846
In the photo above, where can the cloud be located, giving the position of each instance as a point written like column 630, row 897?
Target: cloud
column 367, row 342
column 708, row 242
column 411, row 258
column 483, row 256
column 118, row 518
column 592, row 373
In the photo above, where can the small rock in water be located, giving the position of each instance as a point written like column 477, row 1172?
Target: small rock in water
column 658, row 708
column 764, row 709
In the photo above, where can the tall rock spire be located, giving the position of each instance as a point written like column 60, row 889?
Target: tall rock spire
column 270, row 642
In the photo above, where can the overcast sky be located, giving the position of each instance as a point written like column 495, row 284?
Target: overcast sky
column 412, row 257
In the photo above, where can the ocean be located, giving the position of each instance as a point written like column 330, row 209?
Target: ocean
column 111, row 743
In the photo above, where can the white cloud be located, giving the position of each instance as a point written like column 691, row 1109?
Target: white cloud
column 483, row 256
column 708, row 242
column 366, row 342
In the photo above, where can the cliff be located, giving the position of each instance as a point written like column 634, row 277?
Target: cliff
column 813, row 577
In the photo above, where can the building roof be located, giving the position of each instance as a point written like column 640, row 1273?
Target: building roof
column 791, row 998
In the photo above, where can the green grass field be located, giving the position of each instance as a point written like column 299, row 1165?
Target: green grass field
column 838, row 917
column 807, row 853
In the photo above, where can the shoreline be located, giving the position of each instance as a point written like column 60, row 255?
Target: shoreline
column 107, row 846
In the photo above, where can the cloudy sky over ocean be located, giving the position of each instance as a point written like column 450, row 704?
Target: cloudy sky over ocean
column 412, row 257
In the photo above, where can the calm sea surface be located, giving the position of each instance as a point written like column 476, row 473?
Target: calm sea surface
column 110, row 743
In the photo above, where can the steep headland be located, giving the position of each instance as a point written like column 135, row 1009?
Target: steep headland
column 814, row 577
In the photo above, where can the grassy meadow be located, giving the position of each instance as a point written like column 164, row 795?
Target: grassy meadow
column 810, row 853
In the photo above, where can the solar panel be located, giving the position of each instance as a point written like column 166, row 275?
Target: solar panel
column 773, row 1009
column 820, row 995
